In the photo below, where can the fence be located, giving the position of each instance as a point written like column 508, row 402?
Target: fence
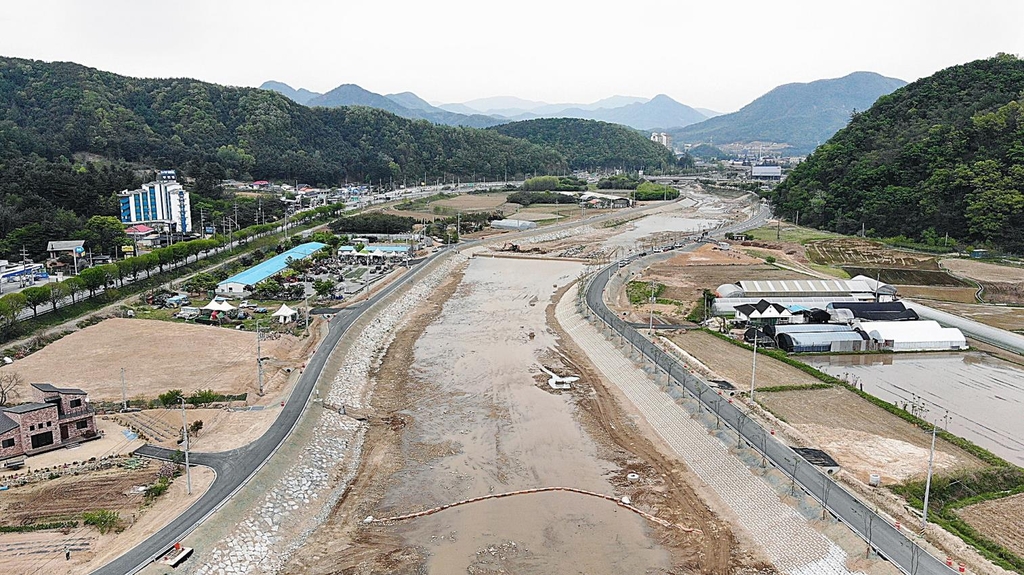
column 881, row 536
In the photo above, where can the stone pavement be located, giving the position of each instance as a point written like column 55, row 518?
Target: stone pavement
column 789, row 541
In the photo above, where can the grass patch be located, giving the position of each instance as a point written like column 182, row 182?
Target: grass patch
column 804, row 387
column 790, row 233
column 640, row 292
column 834, row 272
column 420, row 204
column 38, row 527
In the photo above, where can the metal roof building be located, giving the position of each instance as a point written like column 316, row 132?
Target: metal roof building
column 813, row 288
column 913, row 335
column 239, row 282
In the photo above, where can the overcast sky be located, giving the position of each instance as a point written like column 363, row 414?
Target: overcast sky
column 718, row 55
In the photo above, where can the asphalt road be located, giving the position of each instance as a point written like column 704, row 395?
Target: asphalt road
column 236, row 466
column 883, row 537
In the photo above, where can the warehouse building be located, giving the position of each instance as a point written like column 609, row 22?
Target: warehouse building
column 243, row 281
column 912, row 335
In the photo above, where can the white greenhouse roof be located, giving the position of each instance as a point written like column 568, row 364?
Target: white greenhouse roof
column 809, row 287
column 911, row 331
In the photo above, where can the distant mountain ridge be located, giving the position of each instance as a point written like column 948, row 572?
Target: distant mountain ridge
column 660, row 112
column 801, row 114
column 405, row 104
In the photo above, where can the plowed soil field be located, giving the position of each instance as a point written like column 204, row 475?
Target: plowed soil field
column 1001, row 520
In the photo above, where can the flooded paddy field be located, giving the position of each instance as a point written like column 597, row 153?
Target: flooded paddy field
column 984, row 395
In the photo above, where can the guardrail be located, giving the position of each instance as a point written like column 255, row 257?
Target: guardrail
column 881, row 536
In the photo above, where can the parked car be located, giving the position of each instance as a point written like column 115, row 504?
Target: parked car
column 260, row 310
column 246, row 305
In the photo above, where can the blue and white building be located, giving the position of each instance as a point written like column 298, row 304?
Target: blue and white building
column 162, row 204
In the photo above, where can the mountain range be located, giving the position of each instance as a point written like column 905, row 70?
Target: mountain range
column 659, row 112
column 801, row 115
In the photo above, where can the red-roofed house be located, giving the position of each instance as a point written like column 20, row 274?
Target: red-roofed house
column 139, row 230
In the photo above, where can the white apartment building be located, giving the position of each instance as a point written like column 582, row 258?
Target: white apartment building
column 162, row 204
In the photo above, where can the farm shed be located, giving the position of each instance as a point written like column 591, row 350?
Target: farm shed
column 871, row 311
column 883, row 292
column 726, row 306
column 763, row 312
column 913, row 335
column 822, row 341
column 513, row 225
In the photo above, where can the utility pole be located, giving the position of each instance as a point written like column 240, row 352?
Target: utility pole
column 202, row 223
column 753, row 366
column 928, row 482
column 651, row 305
column 259, row 358
column 184, row 433
column 124, row 393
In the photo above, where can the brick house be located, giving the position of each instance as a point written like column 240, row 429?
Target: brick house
column 57, row 417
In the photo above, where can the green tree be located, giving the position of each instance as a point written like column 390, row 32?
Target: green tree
column 93, row 279
column 323, row 288
column 36, row 296
column 74, row 286
column 57, row 292
column 170, row 398
column 105, row 234
column 11, row 305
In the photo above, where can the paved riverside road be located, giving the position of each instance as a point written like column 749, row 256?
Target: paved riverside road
column 236, row 466
column 876, row 531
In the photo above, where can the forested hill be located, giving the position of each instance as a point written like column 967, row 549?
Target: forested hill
column 72, row 136
column 944, row 154
column 801, row 115
column 588, row 144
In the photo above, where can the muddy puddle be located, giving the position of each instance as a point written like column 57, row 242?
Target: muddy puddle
column 482, row 422
column 984, row 395
column 659, row 224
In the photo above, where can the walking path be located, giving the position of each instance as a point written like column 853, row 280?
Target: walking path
column 789, row 541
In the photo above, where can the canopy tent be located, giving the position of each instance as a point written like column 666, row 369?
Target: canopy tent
column 286, row 313
column 218, row 305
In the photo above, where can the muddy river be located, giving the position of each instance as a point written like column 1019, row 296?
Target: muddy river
column 984, row 395
column 484, row 423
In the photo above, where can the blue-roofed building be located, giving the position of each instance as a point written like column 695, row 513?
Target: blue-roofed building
column 243, row 281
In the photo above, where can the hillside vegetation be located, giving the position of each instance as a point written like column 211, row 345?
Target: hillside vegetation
column 589, row 144
column 72, row 136
column 942, row 155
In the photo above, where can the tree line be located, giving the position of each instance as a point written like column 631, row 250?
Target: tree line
column 942, row 156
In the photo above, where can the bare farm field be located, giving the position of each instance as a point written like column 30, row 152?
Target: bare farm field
column 1002, row 284
column 863, row 437
column 1001, row 520
column 1003, row 317
column 157, row 356
column 940, row 293
column 733, row 363
column 858, row 256
column 686, row 275
column 473, row 202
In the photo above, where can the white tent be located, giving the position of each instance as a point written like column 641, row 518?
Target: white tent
column 286, row 313
column 220, row 305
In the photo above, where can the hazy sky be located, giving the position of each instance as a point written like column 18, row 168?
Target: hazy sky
column 710, row 54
